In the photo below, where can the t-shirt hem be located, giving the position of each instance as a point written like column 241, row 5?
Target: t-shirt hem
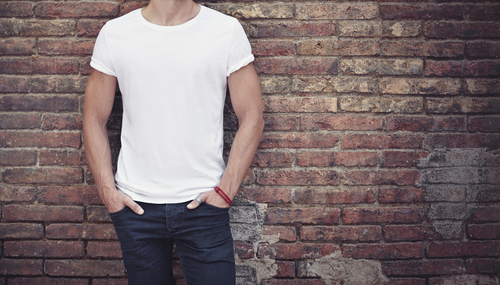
column 101, row 67
column 240, row 64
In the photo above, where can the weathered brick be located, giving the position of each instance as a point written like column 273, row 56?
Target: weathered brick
column 294, row 251
column 43, row 175
column 85, row 68
column 485, row 124
column 13, row 84
column 482, row 68
column 243, row 250
column 341, row 233
column 418, row 48
column 44, row 249
column 449, row 211
column 328, row 158
column 407, row 281
column 401, row 159
column 21, row 266
column 425, row 124
column 19, row 121
column 463, row 105
column 291, row 29
column 384, row 251
column 16, row 9
column 344, row 122
column 342, row 11
column 382, row 104
column 97, row 268
column 258, row 10
column 395, row 177
column 47, row 281
column 58, row 84
column 89, row 28
column 400, row 195
column 327, row 196
column 76, row 9
column 98, row 214
column 483, row 49
column 65, row 46
column 21, row 231
column 375, row 141
column 383, row 215
column 435, row 12
column 482, row 265
column 39, row 65
column 394, row 233
column 272, row 159
column 331, row 84
column 17, row 46
column 16, row 193
column 265, row 195
column 379, row 29
column 322, row 216
column 419, row 86
column 274, row 83
column 461, row 30
column 104, row 249
column 273, row 48
column 62, row 157
column 311, row 104
column 462, row 141
column 296, row 65
column 298, row 177
column 16, row 157
column 13, row 212
column 298, row 140
column 282, row 233
column 81, row 231
column 482, row 12
column 296, row 282
column 423, row 267
column 36, row 102
column 358, row 47
column 285, row 269
column 36, row 28
column 385, row 67
column 318, row 47
column 483, row 86
column 464, row 249
column 443, row 68
column 68, row 195
column 484, row 231
column 128, row 7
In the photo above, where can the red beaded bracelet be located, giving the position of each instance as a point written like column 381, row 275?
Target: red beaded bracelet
column 223, row 195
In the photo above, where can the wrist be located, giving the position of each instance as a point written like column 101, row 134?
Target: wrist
column 224, row 196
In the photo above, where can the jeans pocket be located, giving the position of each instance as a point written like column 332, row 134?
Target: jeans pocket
column 124, row 210
column 215, row 207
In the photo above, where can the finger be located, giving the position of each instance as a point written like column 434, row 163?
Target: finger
column 134, row 206
column 194, row 204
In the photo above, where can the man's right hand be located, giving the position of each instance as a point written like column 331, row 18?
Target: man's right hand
column 117, row 201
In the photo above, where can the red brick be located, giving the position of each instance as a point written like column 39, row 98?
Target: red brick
column 21, row 231
column 17, row 46
column 243, row 250
column 480, row 86
column 482, row 12
column 340, row 122
column 58, row 84
column 358, row 47
column 462, row 141
column 296, row 65
column 47, row 281
column 265, row 195
column 407, row 281
column 13, row 84
column 128, row 7
column 423, row 267
column 37, row 103
column 81, row 231
column 89, row 28
column 374, row 177
column 402, row 158
column 328, row 196
column 410, row 233
column 291, row 29
column 62, row 157
column 317, row 47
column 62, row 122
column 336, row 11
column 68, row 195
column 36, row 28
column 16, row 193
column 298, row 140
column 443, row 68
column 44, row 249
column 65, row 46
column 272, row 159
column 273, row 48
column 43, row 175
column 435, row 12
column 296, row 282
column 13, row 212
column 483, row 49
column 341, row 233
column 40, row 139
column 298, row 177
column 482, row 68
column 20, row 121
column 76, row 9
column 430, row 49
column 304, row 216
column 383, row 215
column 16, row 9
column 375, row 141
column 400, row 195
column 384, row 251
column 464, row 249
column 288, row 104
column 285, row 269
column 486, row 231
column 425, row 124
column 485, row 124
column 20, row 266
column 283, row 233
column 294, row 251
column 104, row 249
column 85, row 68
column 39, row 65
column 16, row 157
column 98, row 214
column 95, row 268
column 280, row 122
column 463, row 105
column 462, row 30
column 328, row 158
column 491, row 266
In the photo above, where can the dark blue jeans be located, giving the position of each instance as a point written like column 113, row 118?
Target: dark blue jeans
column 202, row 237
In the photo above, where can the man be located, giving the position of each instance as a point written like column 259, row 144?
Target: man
column 172, row 61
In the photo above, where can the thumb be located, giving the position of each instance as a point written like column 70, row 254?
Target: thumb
column 194, row 204
column 134, row 206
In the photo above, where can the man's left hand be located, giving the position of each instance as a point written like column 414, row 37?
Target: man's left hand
column 210, row 197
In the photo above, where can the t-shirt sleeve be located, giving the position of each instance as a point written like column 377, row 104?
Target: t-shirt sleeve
column 240, row 51
column 101, row 57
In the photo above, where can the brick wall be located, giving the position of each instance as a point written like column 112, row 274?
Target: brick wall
column 379, row 163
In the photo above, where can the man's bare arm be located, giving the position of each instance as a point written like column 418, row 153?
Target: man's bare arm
column 99, row 97
column 246, row 98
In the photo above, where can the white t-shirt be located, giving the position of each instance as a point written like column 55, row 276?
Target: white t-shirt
column 173, row 82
